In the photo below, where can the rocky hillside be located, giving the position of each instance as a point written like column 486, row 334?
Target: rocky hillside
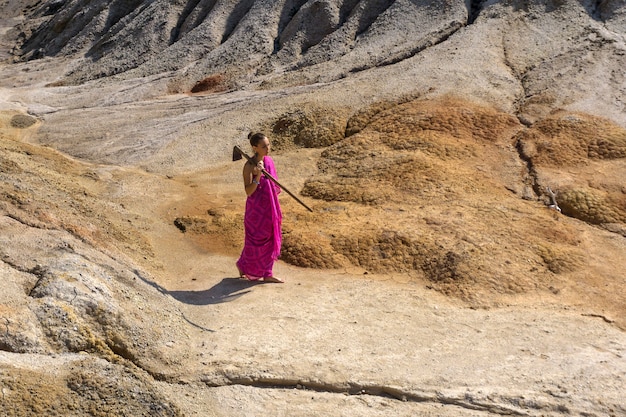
column 238, row 40
column 542, row 53
column 465, row 161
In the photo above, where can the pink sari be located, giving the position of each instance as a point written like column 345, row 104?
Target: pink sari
column 262, row 223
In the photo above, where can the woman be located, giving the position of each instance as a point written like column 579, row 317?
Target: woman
column 263, row 217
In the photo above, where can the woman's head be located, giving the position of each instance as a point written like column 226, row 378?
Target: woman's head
column 260, row 143
column 255, row 138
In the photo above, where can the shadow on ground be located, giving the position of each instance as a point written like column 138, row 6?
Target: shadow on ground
column 228, row 289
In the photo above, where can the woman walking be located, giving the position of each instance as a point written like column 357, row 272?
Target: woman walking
column 263, row 216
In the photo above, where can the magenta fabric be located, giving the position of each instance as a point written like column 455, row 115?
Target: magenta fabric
column 262, row 224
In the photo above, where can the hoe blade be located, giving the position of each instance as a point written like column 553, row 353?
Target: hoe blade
column 236, row 153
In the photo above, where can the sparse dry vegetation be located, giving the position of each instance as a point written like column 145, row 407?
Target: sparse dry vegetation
column 308, row 127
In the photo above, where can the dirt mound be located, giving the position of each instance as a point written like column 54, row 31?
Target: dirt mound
column 436, row 189
column 594, row 206
column 435, row 197
column 401, row 153
column 217, row 228
column 581, row 157
column 564, row 139
column 309, row 126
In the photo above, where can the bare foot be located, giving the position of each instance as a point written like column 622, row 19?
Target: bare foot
column 244, row 276
column 273, row 279
column 250, row 278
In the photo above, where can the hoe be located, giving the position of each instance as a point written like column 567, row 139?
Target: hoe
column 238, row 153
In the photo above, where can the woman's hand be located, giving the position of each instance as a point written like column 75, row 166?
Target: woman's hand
column 258, row 169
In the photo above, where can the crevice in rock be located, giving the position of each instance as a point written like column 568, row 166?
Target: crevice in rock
column 42, row 273
column 595, row 10
column 346, row 8
column 118, row 11
column 25, row 222
column 373, row 12
column 235, row 17
column 519, row 100
column 193, row 14
column 377, row 390
column 531, row 177
column 181, row 23
column 289, row 10
column 474, row 11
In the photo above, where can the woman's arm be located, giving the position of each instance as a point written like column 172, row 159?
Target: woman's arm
column 251, row 177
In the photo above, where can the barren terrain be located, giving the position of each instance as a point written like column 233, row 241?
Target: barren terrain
column 465, row 163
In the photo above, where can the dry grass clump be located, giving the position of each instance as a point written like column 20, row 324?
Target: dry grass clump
column 591, row 148
column 566, row 139
column 22, row 121
column 593, row 206
column 309, row 250
column 559, row 260
column 308, row 127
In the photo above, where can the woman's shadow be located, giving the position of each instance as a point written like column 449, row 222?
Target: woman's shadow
column 228, row 289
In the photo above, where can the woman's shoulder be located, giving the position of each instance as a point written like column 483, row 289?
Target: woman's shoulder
column 248, row 166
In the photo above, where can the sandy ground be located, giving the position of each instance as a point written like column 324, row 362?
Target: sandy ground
column 341, row 341
column 344, row 341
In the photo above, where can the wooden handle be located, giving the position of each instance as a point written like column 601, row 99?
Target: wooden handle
column 274, row 180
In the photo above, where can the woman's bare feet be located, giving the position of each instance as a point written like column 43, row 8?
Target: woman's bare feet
column 273, row 279
column 242, row 275
column 264, row 279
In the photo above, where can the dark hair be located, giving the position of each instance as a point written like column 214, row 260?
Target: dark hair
column 255, row 138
